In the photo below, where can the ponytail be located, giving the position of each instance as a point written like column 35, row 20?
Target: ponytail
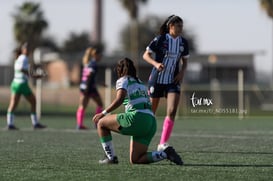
column 164, row 28
column 90, row 53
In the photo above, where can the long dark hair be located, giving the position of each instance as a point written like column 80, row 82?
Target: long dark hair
column 164, row 28
column 126, row 67
column 17, row 52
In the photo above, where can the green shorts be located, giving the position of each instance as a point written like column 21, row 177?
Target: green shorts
column 140, row 126
column 20, row 88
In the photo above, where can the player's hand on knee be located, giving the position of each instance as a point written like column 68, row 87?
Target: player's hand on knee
column 97, row 117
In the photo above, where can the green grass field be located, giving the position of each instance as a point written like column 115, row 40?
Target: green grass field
column 212, row 149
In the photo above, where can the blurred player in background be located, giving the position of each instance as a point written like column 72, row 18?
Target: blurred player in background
column 88, row 87
column 167, row 74
column 138, row 121
column 19, row 86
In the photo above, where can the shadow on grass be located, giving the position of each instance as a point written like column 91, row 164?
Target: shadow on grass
column 227, row 165
column 233, row 152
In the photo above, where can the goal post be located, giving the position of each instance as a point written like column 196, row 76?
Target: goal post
column 240, row 94
column 37, row 56
column 108, row 82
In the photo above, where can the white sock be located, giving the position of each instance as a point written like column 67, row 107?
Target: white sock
column 108, row 149
column 10, row 118
column 158, row 155
column 33, row 118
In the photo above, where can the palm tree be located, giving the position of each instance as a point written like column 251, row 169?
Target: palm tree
column 132, row 7
column 148, row 27
column 29, row 23
column 267, row 5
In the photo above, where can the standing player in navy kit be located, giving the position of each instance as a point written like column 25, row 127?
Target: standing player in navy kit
column 168, row 70
column 88, row 87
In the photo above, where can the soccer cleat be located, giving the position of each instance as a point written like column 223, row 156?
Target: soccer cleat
column 173, row 156
column 12, row 127
column 39, row 126
column 162, row 147
column 82, row 127
column 107, row 161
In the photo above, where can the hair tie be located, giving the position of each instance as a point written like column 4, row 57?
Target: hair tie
column 170, row 20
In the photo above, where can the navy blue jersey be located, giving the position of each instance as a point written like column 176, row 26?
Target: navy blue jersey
column 168, row 51
column 90, row 68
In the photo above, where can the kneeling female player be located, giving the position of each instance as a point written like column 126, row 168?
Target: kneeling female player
column 138, row 120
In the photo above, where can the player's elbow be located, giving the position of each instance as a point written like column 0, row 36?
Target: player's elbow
column 145, row 55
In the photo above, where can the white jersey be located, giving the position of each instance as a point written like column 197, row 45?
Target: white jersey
column 20, row 64
column 137, row 98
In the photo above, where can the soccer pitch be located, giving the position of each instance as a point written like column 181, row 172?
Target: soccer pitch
column 212, row 149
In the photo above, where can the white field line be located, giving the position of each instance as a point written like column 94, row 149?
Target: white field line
column 220, row 136
column 237, row 135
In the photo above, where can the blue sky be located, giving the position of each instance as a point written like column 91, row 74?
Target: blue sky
column 221, row 26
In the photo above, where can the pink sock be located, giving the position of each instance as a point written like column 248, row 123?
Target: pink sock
column 167, row 130
column 99, row 109
column 80, row 116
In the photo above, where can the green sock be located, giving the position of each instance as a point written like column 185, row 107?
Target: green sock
column 107, row 146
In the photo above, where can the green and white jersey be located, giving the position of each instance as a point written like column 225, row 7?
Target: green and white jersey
column 20, row 64
column 137, row 98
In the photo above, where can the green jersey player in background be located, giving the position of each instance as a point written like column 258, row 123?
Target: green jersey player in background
column 19, row 86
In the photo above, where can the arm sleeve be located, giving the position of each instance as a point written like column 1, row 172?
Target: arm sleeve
column 22, row 63
column 122, row 83
column 152, row 47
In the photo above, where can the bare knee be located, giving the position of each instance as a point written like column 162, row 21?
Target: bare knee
column 100, row 125
column 138, row 160
column 135, row 161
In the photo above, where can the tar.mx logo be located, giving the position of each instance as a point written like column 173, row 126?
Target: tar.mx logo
column 196, row 101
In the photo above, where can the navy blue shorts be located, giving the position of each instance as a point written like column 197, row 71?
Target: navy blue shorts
column 92, row 92
column 161, row 90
